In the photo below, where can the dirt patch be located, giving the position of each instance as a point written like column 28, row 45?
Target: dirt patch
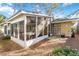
column 8, row 45
column 39, row 43
column 43, row 48
column 73, row 43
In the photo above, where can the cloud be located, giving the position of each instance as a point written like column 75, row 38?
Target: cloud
column 58, row 16
column 74, row 16
column 7, row 9
column 66, row 4
column 6, row 4
column 9, row 4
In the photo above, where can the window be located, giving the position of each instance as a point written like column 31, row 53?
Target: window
column 56, row 29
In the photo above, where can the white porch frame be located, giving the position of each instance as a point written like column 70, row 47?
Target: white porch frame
column 25, row 30
column 35, row 40
column 36, row 26
column 43, row 27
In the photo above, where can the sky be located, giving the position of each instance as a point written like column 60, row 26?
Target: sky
column 8, row 9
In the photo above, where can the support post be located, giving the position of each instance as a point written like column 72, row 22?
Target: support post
column 47, row 27
column 7, row 29
column 25, row 29
column 18, row 29
column 43, row 27
column 13, row 31
column 50, row 25
column 10, row 29
column 36, row 26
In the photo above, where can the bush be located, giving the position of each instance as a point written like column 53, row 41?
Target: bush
column 62, row 35
column 65, row 52
column 7, row 37
column 73, row 35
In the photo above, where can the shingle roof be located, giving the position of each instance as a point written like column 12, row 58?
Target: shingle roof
column 64, row 20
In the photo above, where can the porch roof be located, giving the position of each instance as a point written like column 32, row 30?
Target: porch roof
column 27, row 13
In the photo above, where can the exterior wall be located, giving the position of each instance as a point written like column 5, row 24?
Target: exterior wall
column 18, row 18
column 64, row 28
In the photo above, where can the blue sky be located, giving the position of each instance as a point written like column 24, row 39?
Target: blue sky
column 64, row 9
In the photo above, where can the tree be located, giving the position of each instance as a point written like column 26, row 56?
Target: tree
column 2, row 18
column 50, row 7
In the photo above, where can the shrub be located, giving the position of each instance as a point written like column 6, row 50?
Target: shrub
column 65, row 52
column 73, row 35
column 62, row 35
column 7, row 37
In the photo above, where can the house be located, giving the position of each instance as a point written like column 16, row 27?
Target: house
column 27, row 28
column 63, row 26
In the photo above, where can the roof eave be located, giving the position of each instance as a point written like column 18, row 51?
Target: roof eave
column 27, row 13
